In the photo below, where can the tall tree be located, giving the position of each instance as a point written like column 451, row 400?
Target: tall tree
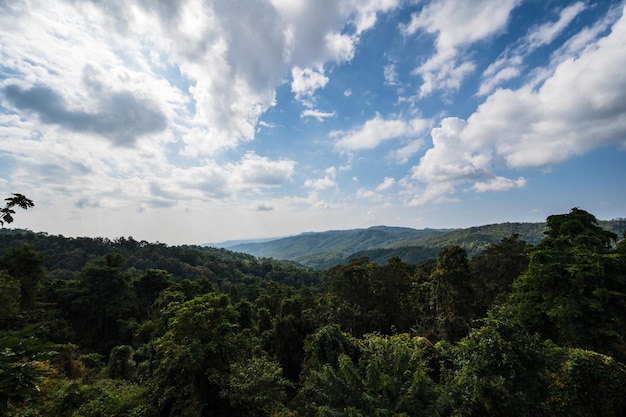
column 452, row 293
column 26, row 265
column 574, row 290
column 105, row 297
column 494, row 270
column 194, row 357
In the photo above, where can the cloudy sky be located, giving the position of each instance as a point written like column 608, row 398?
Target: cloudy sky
column 201, row 121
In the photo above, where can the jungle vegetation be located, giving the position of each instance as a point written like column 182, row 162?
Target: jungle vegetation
column 98, row 327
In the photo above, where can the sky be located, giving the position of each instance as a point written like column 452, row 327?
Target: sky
column 195, row 121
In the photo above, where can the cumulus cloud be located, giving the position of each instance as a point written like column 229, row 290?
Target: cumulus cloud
column 306, row 81
column 455, row 25
column 500, row 184
column 230, row 56
column 120, row 117
column 323, row 183
column 581, row 106
column 260, row 171
column 377, row 130
column 251, row 174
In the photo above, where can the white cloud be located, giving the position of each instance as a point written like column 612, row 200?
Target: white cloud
column 546, row 33
column 499, row 184
column 387, row 183
column 230, row 55
column 306, row 81
column 402, row 155
column 391, row 75
column 316, row 114
column 258, row 171
column 449, row 159
column 580, row 106
column 378, row 130
column 323, row 183
column 509, row 64
column 455, row 25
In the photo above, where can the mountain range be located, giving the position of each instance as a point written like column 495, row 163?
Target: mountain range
column 323, row 250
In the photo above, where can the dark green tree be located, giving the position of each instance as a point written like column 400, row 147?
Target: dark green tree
column 21, row 366
column 103, row 301
column 194, row 357
column 26, row 265
column 388, row 376
column 574, row 291
column 452, row 293
column 498, row 371
column 494, row 270
column 9, row 296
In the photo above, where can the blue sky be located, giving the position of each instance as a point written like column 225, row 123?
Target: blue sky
column 203, row 121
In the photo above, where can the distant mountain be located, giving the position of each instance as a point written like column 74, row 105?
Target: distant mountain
column 230, row 243
column 326, row 249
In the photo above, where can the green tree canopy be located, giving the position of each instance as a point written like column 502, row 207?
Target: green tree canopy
column 574, row 291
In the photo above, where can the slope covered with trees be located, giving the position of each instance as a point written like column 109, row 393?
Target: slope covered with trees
column 516, row 330
column 326, row 249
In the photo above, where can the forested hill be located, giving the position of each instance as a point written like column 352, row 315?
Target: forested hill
column 65, row 258
column 147, row 330
column 325, row 249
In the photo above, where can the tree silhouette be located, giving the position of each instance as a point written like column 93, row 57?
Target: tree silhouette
column 6, row 213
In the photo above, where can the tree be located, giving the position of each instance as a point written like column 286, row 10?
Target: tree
column 452, row 293
column 21, row 365
column 494, row 270
column 498, row 371
column 9, row 296
column 19, row 200
column 574, row 291
column 27, row 266
column 364, row 297
column 104, row 298
column 256, row 388
column 387, row 376
column 194, row 357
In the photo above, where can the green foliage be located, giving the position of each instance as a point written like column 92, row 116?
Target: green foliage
column 103, row 398
column 388, row 377
column 452, row 293
column 494, row 270
column 9, row 296
column 195, row 355
column 27, row 266
column 574, row 291
column 586, row 384
column 22, row 366
column 365, row 297
column 121, row 364
column 147, row 330
column 256, row 388
column 498, row 371
column 102, row 301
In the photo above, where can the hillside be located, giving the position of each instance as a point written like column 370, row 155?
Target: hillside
column 65, row 258
column 325, row 249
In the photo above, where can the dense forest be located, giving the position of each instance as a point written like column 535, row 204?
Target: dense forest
column 98, row 327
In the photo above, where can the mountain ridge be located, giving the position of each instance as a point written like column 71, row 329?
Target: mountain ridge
column 322, row 250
